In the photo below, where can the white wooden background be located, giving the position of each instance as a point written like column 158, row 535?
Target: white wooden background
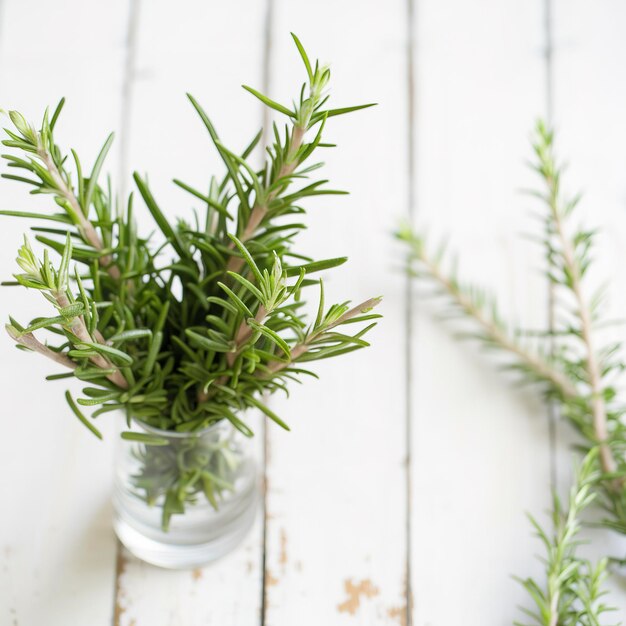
column 399, row 495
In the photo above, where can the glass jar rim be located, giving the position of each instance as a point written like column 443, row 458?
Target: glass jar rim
column 175, row 434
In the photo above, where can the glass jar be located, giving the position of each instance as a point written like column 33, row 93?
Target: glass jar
column 182, row 500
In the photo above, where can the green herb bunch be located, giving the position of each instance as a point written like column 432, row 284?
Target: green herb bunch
column 578, row 373
column 194, row 325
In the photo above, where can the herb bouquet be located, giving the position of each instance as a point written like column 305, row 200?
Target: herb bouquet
column 185, row 330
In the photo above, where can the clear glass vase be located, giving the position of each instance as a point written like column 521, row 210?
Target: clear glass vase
column 187, row 500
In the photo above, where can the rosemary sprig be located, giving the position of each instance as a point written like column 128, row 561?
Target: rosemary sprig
column 572, row 593
column 472, row 302
column 569, row 260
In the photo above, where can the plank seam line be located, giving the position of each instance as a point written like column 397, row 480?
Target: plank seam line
column 128, row 84
column 266, row 82
column 552, row 409
column 1, row 30
column 409, row 308
column 128, row 79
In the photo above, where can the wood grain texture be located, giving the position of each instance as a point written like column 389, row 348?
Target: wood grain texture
column 480, row 450
column 336, row 540
column 57, row 548
column 208, row 49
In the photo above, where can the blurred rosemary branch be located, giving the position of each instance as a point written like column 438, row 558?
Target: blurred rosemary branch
column 569, row 363
column 572, row 592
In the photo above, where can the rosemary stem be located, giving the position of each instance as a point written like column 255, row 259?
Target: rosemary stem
column 554, row 609
column 296, row 353
column 598, row 406
column 260, row 209
column 541, row 368
column 85, row 226
column 30, row 341
column 80, row 330
column 258, row 213
column 244, row 333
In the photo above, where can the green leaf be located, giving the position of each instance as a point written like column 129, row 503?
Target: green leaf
column 267, row 411
column 304, row 57
column 236, row 299
column 170, row 234
column 171, row 506
column 248, row 285
column 320, row 309
column 43, row 323
column 326, row 353
column 99, row 400
column 62, row 376
column 37, row 216
column 252, row 145
column 81, row 180
column 224, row 304
column 82, row 354
column 64, row 268
column 256, row 185
column 315, row 266
column 342, row 111
column 95, row 172
column 206, row 343
column 83, row 255
column 20, row 123
column 270, row 103
column 248, row 258
column 194, row 192
column 57, row 112
column 107, row 351
column 271, row 335
column 21, row 179
column 80, row 415
column 153, row 353
column 237, row 423
column 162, row 317
column 145, row 438
column 227, row 161
column 130, row 335
column 93, row 373
column 204, row 117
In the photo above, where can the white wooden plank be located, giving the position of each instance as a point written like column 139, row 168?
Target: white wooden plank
column 208, row 49
column 480, row 449
column 336, row 544
column 589, row 102
column 56, row 541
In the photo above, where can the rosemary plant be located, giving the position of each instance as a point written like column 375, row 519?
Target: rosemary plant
column 567, row 362
column 200, row 322
column 572, row 369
